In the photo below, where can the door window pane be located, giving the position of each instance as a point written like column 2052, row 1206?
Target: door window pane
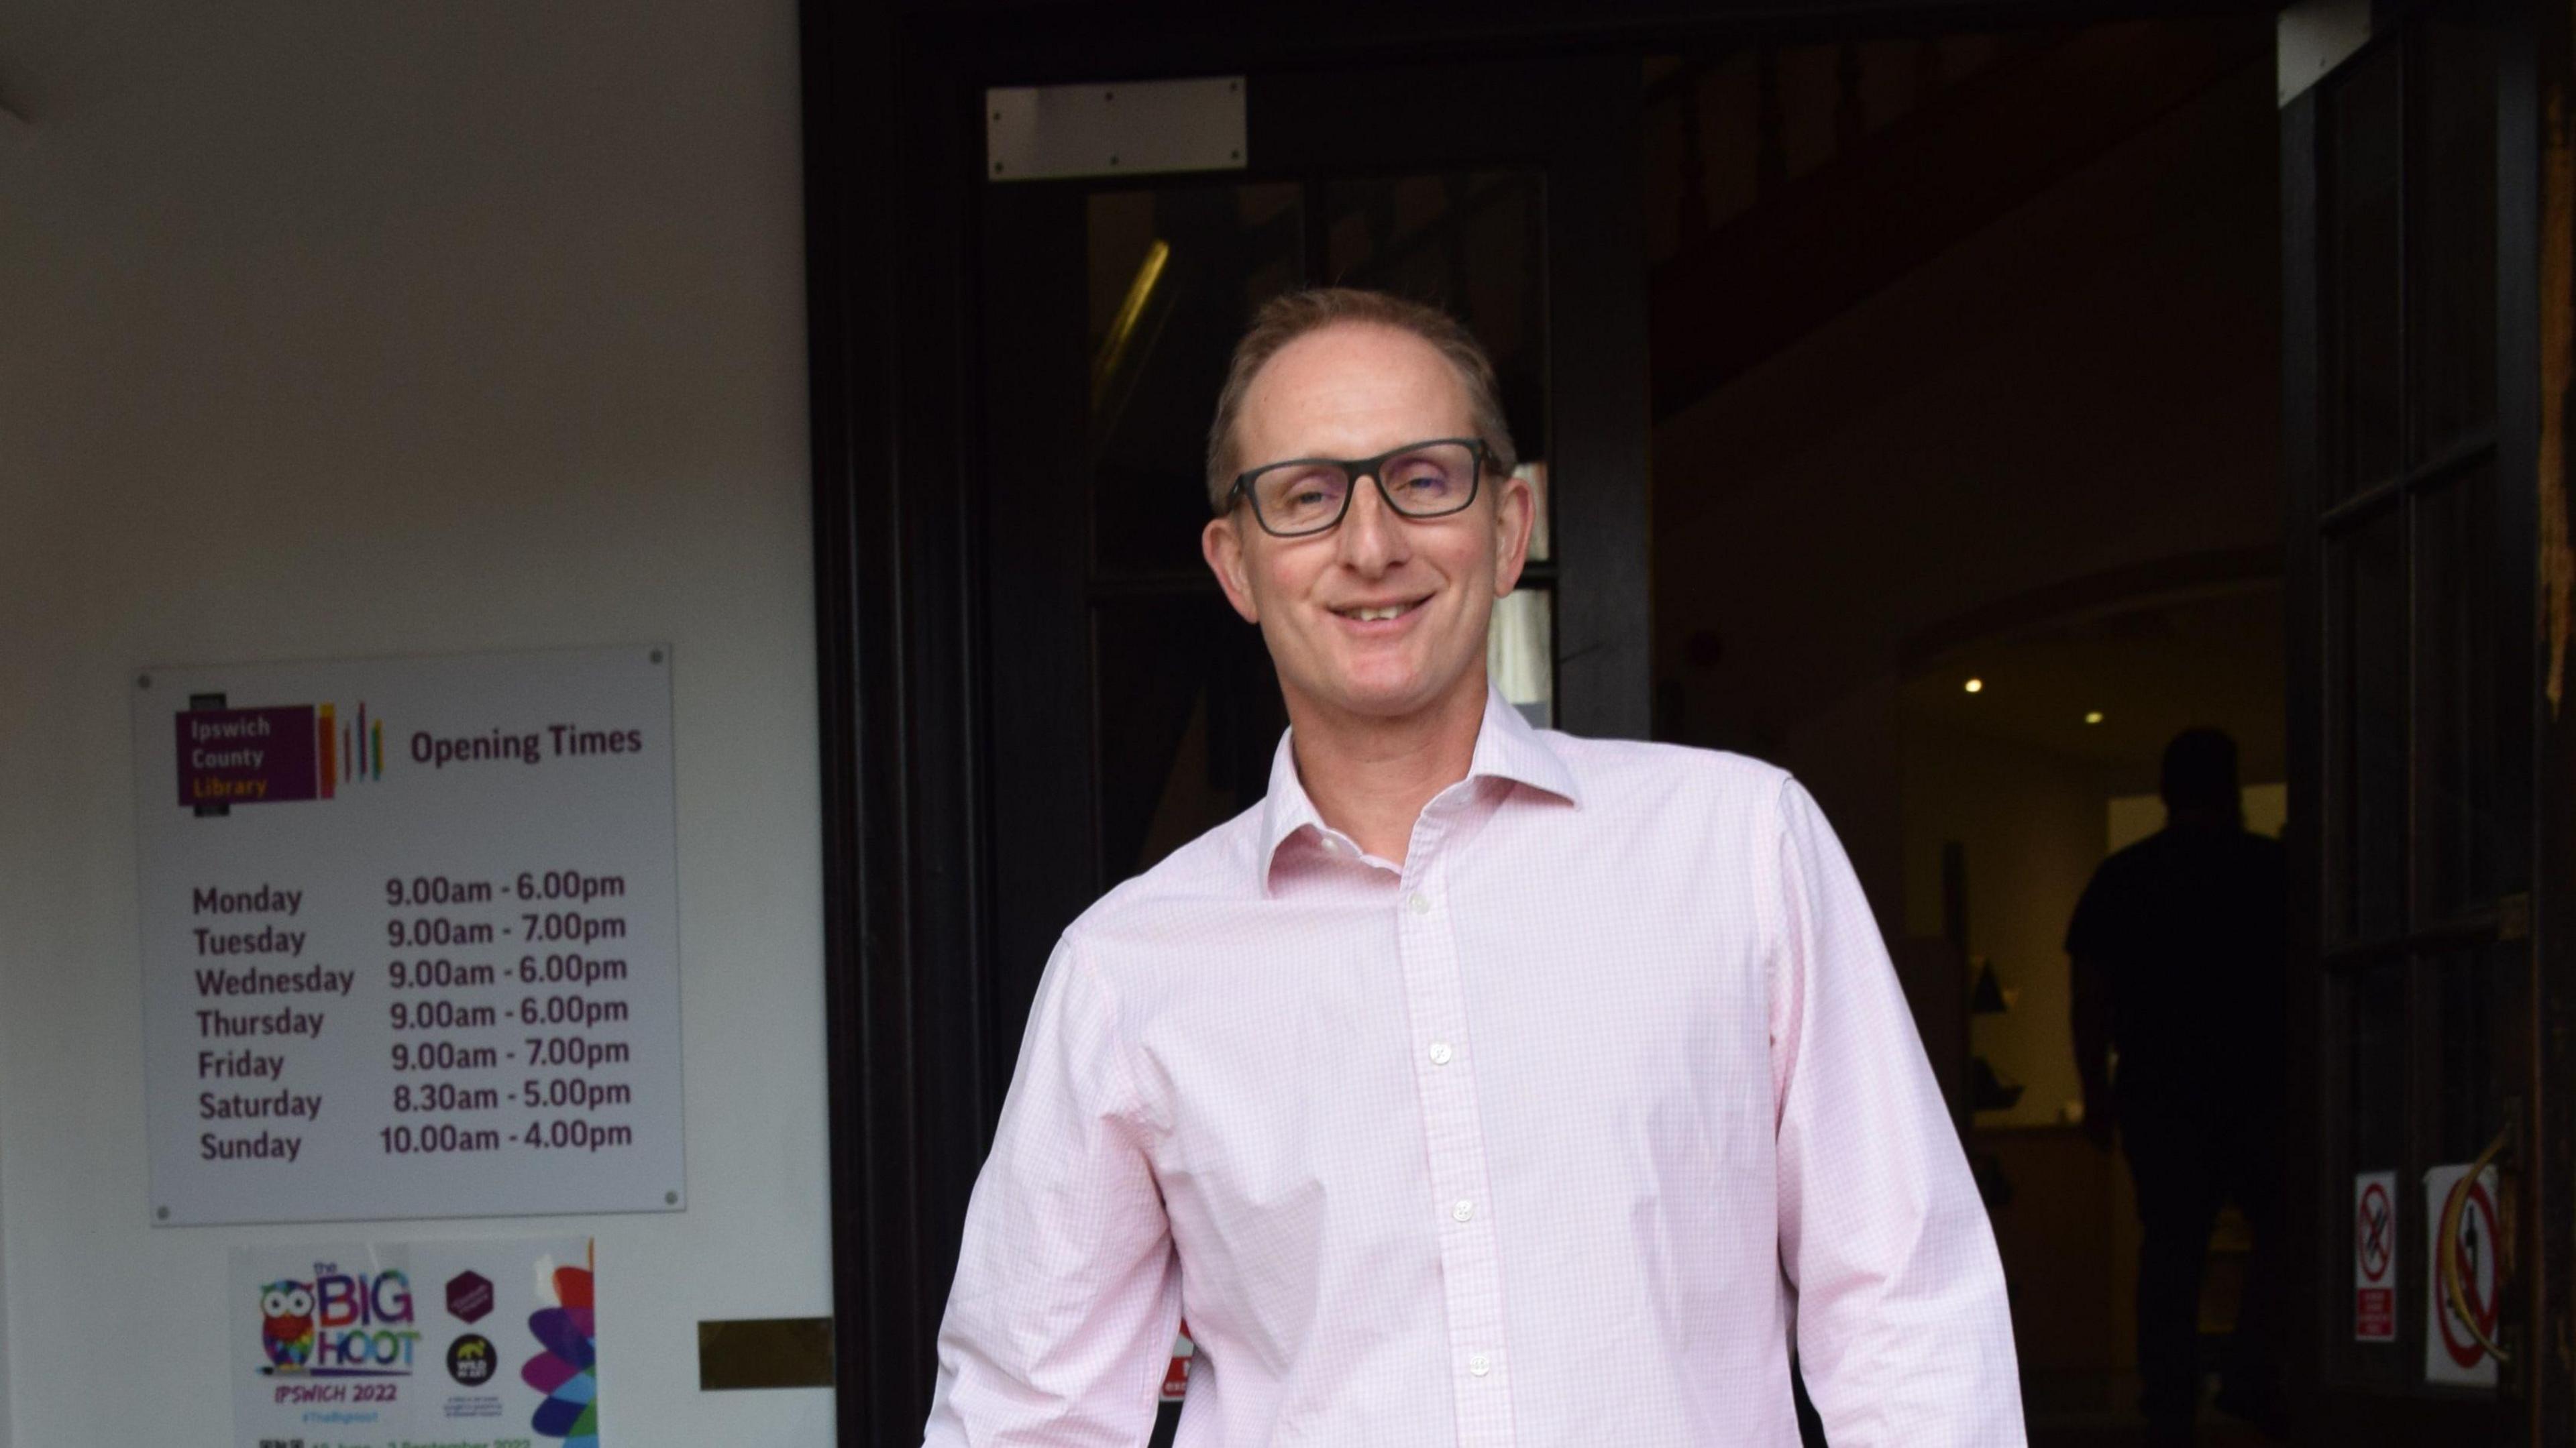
column 1520, row 653
column 1174, row 274
column 2362, row 240
column 2375, row 1067
column 2455, row 695
column 2451, row 236
column 2365, row 877
column 2474, row 994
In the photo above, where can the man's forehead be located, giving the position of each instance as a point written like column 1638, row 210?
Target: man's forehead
column 1352, row 374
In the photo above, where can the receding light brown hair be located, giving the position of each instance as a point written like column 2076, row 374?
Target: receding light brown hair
column 1284, row 319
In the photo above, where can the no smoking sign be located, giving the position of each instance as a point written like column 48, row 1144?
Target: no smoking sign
column 2374, row 1257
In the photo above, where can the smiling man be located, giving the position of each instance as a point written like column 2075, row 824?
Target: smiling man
column 1482, row 1085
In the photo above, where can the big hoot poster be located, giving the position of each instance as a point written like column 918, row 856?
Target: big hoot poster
column 463, row 1344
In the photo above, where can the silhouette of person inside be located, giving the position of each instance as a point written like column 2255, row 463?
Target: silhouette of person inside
column 2180, row 946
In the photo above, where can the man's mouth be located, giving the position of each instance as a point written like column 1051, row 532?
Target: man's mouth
column 1378, row 612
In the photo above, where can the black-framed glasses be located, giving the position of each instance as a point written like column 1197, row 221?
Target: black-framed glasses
column 1305, row 496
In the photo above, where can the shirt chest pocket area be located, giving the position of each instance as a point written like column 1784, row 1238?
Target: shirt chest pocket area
column 1291, row 1114
column 1640, row 1047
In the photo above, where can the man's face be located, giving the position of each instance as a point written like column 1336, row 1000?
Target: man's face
column 1353, row 391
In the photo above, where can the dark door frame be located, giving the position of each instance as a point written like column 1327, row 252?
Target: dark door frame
column 2545, row 102
column 891, row 106
column 2536, row 83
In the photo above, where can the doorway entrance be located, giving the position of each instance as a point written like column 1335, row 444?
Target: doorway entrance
column 1030, row 691
column 2012, row 460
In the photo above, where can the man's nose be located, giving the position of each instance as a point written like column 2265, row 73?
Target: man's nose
column 1373, row 537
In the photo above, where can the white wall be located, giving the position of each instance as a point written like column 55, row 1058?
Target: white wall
column 6, row 1436
column 2032, row 825
column 334, row 330
column 2133, row 817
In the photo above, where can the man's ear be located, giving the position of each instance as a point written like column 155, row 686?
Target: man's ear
column 1222, row 545
column 1515, row 514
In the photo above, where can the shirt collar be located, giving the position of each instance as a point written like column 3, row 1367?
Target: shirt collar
column 1507, row 748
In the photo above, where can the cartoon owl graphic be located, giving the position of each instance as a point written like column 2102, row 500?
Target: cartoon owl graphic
column 286, row 1324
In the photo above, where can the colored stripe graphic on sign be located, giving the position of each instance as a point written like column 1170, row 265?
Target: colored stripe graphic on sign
column 326, row 735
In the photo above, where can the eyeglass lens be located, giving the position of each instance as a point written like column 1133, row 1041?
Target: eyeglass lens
column 1422, row 482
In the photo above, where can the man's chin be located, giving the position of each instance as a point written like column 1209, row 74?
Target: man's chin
column 1387, row 698
column 1383, row 704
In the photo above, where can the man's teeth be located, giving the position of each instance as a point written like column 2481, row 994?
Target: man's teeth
column 1374, row 615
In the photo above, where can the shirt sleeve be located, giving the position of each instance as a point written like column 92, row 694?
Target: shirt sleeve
column 1903, row 1331
column 1061, row 1320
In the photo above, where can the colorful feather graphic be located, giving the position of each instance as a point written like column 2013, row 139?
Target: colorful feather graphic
column 567, row 1371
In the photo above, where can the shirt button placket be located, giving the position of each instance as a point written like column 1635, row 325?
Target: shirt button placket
column 1471, row 1270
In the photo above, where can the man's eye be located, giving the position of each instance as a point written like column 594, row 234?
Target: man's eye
column 1308, row 491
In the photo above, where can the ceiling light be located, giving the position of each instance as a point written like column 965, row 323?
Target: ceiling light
column 2093, row 718
column 1976, row 686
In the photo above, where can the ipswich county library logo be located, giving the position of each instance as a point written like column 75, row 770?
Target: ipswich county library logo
column 338, row 1325
column 273, row 755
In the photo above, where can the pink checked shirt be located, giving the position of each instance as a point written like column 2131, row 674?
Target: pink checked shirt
column 1554, row 1135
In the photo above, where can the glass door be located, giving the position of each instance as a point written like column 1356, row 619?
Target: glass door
column 2410, row 431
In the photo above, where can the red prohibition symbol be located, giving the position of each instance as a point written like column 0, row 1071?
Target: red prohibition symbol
column 2473, row 1257
column 2376, row 1232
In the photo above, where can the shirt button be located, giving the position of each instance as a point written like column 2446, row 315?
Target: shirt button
column 1464, row 1211
column 1418, row 903
column 1440, row 1053
column 1480, row 1365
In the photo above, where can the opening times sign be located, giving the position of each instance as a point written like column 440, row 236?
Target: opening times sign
column 410, row 937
